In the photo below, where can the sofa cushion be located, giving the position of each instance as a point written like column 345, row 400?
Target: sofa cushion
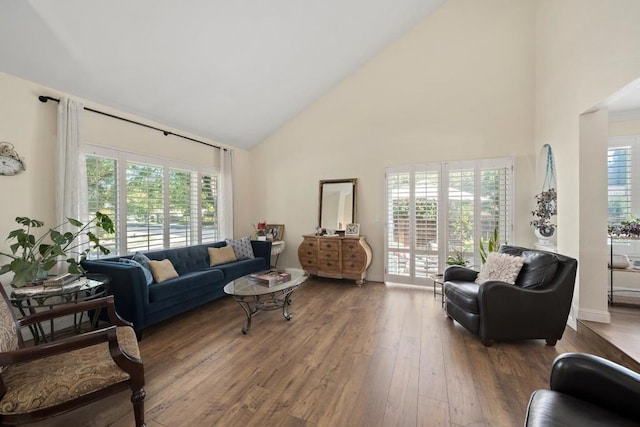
column 501, row 267
column 162, row 270
column 242, row 248
column 463, row 294
column 180, row 288
column 538, row 270
column 147, row 273
column 241, row 268
column 184, row 260
column 221, row 255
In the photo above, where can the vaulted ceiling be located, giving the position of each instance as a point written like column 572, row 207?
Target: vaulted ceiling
column 234, row 71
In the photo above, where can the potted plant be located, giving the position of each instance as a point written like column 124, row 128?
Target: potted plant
column 628, row 228
column 32, row 257
column 546, row 207
column 261, row 230
column 457, row 258
column 493, row 245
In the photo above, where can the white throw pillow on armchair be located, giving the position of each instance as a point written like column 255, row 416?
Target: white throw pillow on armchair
column 502, row 267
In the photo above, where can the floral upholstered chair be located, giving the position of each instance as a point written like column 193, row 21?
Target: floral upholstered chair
column 49, row 379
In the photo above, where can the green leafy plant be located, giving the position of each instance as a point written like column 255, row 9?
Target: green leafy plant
column 493, row 244
column 31, row 256
column 457, row 258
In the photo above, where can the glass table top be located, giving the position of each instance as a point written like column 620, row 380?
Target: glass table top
column 244, row 286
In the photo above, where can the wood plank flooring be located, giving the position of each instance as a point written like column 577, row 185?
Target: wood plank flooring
column 370, row 356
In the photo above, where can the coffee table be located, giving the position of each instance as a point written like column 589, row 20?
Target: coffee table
column 254, row 297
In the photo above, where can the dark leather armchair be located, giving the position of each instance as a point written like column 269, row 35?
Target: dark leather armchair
column 586, row 391
column 535, row 307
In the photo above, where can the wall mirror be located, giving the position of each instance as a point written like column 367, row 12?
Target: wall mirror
column 337, row 203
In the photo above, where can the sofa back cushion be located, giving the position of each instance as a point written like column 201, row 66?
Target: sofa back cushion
column 184, row 260
column 539, row 267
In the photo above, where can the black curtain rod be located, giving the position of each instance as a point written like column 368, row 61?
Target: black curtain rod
column 43, row 98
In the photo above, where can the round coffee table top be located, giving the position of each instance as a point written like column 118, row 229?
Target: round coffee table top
column 244, row 286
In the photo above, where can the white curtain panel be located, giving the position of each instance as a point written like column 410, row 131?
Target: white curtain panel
column 71, row 176
column 226, row 194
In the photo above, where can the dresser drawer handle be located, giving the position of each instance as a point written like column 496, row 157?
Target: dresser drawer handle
column 328, row 245
column 308, row 252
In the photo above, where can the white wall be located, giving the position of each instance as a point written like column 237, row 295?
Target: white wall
column 458, row 86
column 585, row 51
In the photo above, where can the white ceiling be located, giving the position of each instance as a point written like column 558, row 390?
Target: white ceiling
column 233, row 70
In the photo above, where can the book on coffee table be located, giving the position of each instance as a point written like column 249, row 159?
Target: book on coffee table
column 270, row 278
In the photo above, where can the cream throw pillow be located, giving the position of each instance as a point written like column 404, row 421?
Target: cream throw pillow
column 162, row 270
column 221, row 255
column 502, row 267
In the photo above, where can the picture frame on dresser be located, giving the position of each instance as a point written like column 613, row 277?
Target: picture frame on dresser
column 276, row 230
column 352, row 230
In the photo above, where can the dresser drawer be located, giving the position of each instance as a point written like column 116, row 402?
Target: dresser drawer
column 352, row 246
column 308, row 249
column 330, row 245
column 330, row 255
column 355, row 265
column 308, row 262
column 329, row 265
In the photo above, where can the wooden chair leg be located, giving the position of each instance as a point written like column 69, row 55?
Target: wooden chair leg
column 137, row 398
column 551, row 342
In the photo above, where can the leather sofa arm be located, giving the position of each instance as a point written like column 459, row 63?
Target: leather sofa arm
column 599, row 381
column 460, row 273
column 507, row 310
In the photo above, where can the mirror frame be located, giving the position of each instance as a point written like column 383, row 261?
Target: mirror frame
column 354, row 184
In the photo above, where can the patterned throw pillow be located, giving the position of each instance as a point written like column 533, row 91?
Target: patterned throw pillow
column 501, row 267
column 242, row 248
column 147, row 273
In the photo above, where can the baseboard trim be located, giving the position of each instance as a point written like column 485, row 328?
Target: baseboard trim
column 592, row 315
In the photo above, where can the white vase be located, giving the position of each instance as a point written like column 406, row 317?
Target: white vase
column 544, row 234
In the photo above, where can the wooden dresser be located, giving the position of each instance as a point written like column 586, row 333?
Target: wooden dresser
column 345, row 257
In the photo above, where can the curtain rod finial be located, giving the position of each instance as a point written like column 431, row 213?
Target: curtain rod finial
column 43, row 98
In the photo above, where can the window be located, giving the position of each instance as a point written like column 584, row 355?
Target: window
column 154, row 203
column 436, row 209
column 619, row 182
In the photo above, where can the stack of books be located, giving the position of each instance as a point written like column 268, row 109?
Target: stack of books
column 270, row 277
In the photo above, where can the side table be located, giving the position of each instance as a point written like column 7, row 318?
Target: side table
column 30, row 300
column 277, row 247
column 438, row 281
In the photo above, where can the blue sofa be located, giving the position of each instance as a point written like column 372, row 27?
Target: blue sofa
column 197, row 283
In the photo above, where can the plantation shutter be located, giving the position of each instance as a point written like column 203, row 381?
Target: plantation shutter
column 619, row 162
column 496, row 193
column 145, row 207
column 460, row 194
column 399, row 215
column 427, row 183
column 102, row 184
column 181, row 201
column 209, row 208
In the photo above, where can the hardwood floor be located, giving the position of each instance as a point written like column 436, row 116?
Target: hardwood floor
column 371, row 356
